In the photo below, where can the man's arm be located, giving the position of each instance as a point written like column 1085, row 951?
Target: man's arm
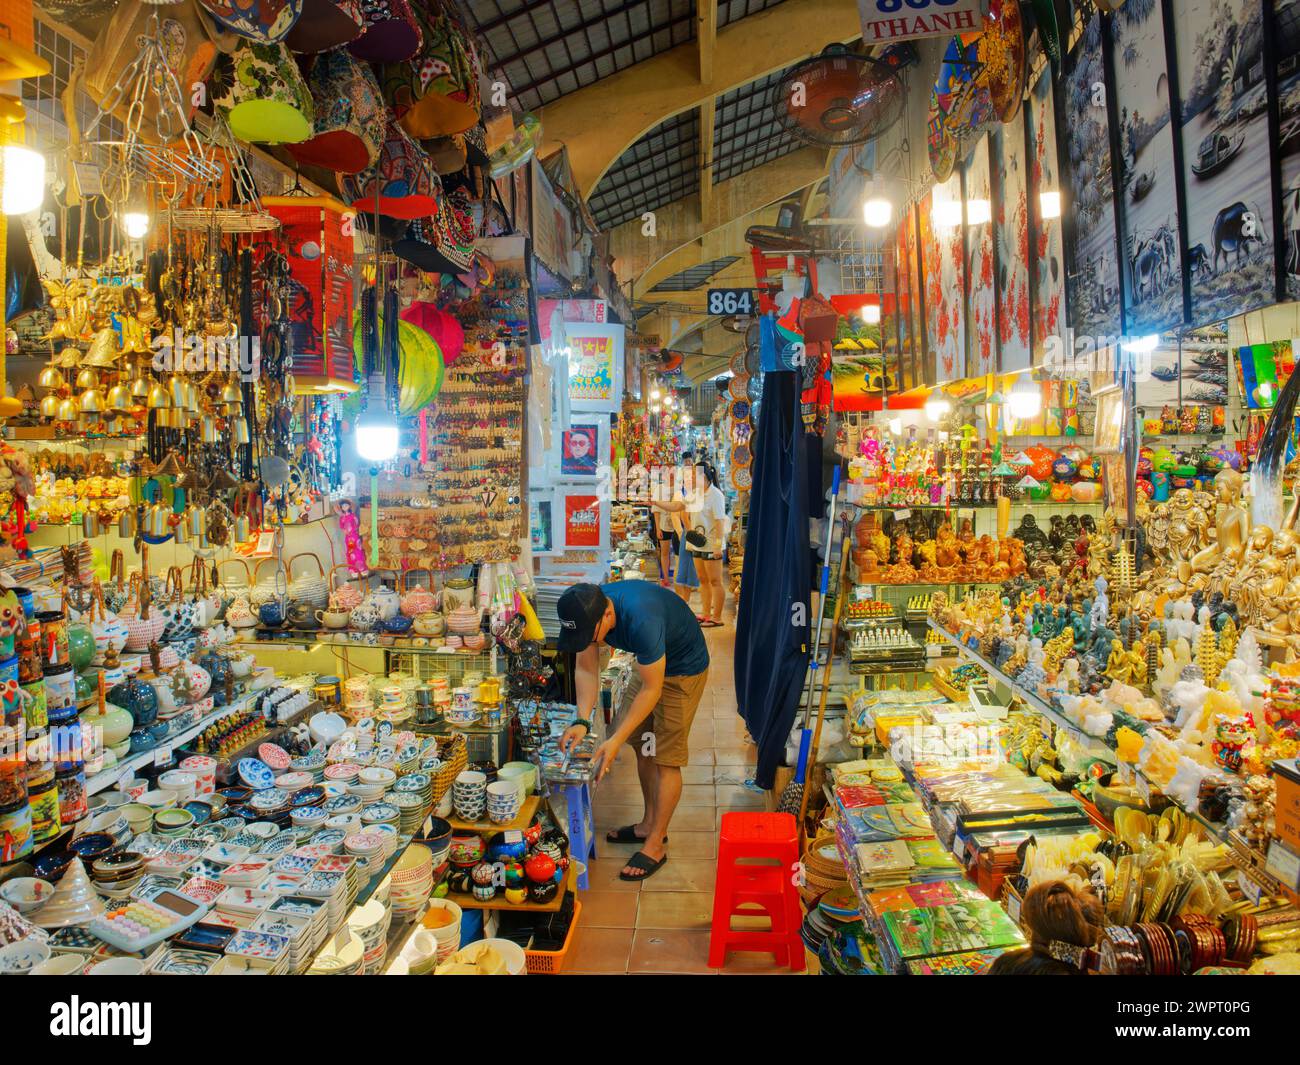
column 587, row 682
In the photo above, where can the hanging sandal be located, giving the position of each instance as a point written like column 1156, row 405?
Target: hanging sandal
column 643, row 861
column 626, row 834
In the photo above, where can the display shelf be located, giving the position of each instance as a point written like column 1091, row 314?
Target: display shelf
column 522, row 819
column 1073, row 503
column 108, row 777
column 1246, row 858
column 499, row 902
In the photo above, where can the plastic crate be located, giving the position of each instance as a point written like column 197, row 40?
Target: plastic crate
column 550, row 962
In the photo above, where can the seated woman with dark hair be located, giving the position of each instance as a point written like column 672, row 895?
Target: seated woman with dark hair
column 1063, row 926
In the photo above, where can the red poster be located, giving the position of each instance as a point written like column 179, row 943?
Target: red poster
column 581, row 521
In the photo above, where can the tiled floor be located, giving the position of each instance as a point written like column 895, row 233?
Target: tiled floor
column 662, row 926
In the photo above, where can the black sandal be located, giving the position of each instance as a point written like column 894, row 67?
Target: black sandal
column 626, row 834
column 641, row 860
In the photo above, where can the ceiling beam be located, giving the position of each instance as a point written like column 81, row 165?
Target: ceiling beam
column 644, row 261
column 635, row 100
column 706, row 36
column 707, row 115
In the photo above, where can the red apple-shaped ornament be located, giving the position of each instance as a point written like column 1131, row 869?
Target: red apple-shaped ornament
column 540, row 868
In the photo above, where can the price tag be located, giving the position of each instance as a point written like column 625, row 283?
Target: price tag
column 1143, row 788
column 902, row 515
column 1284, row 864
column 162, row 755
column 1249, row 888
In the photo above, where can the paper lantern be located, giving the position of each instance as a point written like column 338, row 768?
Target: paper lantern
column 443, row 327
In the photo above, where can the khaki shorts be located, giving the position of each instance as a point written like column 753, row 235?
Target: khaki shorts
column 671, row 720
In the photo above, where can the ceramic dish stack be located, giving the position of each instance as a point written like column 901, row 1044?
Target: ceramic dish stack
column 312, row 762
column 332, row 888
column 503, row 801
column 314, row 911
column 342, row 955
column 265, row 952
column 381, row 813
column 295, row 781
column 173, row 823
column 370, row 924
column 368, row 848
column 354, row 877
column 412, row 809
column 296, row 928
column 204, row 771
column 343, row 772
column 239, row 906
column 469, row 795
column 412, row 880
column 309, row 817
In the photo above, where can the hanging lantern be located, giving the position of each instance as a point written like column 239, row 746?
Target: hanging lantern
column 317, row 231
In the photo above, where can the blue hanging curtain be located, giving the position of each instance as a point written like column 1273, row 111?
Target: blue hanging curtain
column 771, row 652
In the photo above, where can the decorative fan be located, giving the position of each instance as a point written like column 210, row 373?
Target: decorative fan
column 740, row 410
column 753, row 361
column 737, row 363
column 1001, row 50
column 961, row 105
column 839, row 98
column 740, row 455
column 737, row 386
column 741, row 479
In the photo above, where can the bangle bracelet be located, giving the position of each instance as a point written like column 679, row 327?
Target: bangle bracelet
column 583, row 722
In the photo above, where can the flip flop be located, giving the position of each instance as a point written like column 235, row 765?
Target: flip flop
column 641, row 860
column 626, row 834
column 710, row 624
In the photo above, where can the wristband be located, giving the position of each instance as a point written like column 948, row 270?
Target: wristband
column 583, row 722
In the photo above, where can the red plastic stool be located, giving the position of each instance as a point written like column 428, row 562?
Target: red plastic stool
column 745, row 838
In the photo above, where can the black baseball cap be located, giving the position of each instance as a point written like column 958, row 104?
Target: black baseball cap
column 579, row 609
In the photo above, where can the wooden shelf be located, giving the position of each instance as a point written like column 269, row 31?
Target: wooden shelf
column 499, row 902
column 522, row 820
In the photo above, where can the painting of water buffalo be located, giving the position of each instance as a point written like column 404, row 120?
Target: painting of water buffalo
column 1094, row 277
column 1153, row 270
column 1223, row 123
column 1286, row 36
column 1047, row 259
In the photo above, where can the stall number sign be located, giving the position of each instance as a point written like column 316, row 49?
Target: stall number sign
column 732, row 301
column 884, row 21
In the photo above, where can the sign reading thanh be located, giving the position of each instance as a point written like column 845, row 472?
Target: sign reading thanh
column 884, row 21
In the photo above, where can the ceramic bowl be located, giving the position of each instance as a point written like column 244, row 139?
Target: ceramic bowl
column 157, row 799
column 26, row 893
column 173, row 821
column 127, row 967
column 59, row 965
column 23, row 956
column 138, row 816
column 51, row 865
column 326, row 727
column 92, row 845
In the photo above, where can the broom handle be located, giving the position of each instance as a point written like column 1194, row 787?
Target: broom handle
column 811, row 682
column 830, row 660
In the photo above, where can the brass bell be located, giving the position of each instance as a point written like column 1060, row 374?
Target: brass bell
column 68, row 358
column 126, row 524
column 90, row 524
column 208, row 429
column 243, row 532
column 103, row 349
column 140, row 387
column 119, row 397
column 69, row 410
column 51, row 377
column 157, row 398
column 50, row 406
column 177, row 393
column 87, row 378
column 192, row 398
column 92, row 401
column 198, row 520
column 181, row 533
column 232, row 393
column 239, row 431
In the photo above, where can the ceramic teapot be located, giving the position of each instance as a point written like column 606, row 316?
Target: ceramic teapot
column 416, row 600
column 239, row 615
column 177, row 611
column 430, row 624
column 206, row 604
column 110, row 631
column 366, row 616
column 386, row 600
column 301, row 615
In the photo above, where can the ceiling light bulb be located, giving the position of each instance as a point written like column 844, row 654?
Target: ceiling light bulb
column 24, row 179
column 135, row 224
column 871, row 313
column 877, row 212
column 1049, row 204
column 377, row 436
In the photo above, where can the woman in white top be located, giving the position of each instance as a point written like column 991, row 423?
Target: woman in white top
column 706, row 511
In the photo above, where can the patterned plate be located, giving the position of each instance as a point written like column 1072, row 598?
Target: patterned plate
column 255, row 773
column 274, row 755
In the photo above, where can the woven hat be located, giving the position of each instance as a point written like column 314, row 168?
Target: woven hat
column 326, row 24
column 403, row 178
column 349, row 123
column 391, row 32
column 263, row 21
column 435, row 93
column 263, row 96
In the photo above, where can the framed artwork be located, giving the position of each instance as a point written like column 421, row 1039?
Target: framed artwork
column 1228, row 165
column 582, row 448
column 1094, row 278
column 910, row 316
column 1011, row 244
column 982, row 301
column 944, row 270
column 595, row 366
column 1108, row 431
column 542, row 524
column 1149, row 177
column 1047, row 263
column 1286, row 26
column 586, row 519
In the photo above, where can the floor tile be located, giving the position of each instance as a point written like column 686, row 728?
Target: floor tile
column 735, row 755
column 682, row 844
column 665, row 951
column 693, row 819
column 602, row 873
column 608, row 814
column 736, row 797
column 609, row 909
column 675, row 909
column 682, row 874
column 699, row 774
column 600, row 950
column 696, row 795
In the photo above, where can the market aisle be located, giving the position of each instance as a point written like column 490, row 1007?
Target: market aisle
column 662, row 926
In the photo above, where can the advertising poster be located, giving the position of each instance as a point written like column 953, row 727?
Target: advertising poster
column 595, row 366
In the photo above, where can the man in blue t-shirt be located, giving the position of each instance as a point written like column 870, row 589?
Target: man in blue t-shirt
column 672, row 666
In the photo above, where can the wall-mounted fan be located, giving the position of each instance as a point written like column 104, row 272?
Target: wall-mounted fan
column 839, row 97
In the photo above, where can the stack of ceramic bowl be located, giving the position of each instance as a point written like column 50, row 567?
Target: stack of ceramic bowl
column 312, row 762
column 309, row 817
column 411, row 808
column 370, row 924
column 343, row 956
column 295, row 780
column 469, row 795
column 266, row 952
column 368, row 848
column 117, row 875
column 372, row 783
column 314, row 911
column 442, row 921
column 381, row 813
column 173, row 823
column 204, row 771
column 342, row 773
column 296, row 928
column 330, row 886
column 502, row 801
column 412, row 880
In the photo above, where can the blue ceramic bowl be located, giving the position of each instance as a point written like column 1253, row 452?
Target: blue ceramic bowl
column 202, row 811
column 52, row 865
column 142, row 740
column 312, row 795
column 398, row 624
column 91, row 846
